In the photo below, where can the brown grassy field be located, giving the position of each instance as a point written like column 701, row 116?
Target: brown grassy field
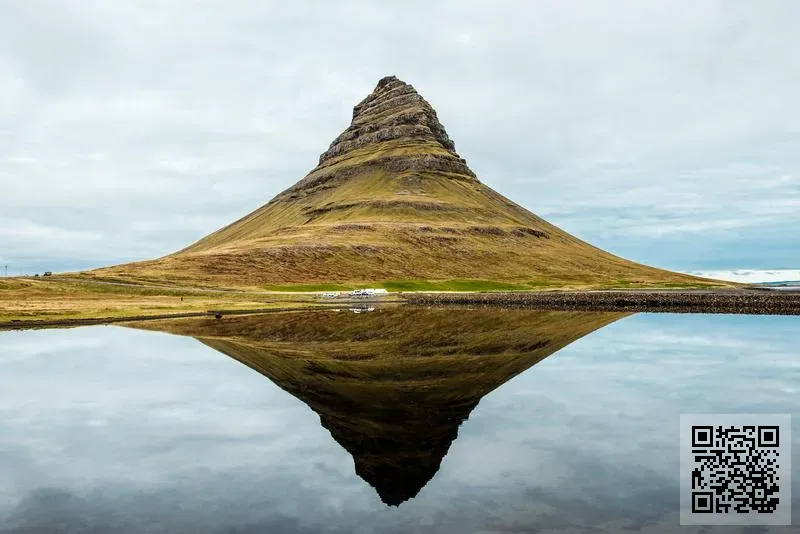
column 56, row 299
column 69, row 298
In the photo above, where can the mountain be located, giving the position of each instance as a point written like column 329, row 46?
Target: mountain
column 394, row 385
column 391, row 199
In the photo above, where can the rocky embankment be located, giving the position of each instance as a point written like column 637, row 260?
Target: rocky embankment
column 747, row 301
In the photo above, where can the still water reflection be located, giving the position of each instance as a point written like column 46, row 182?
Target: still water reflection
column 111, row 429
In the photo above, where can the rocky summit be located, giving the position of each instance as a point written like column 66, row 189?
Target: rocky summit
column 392, row 200
column 395, row 111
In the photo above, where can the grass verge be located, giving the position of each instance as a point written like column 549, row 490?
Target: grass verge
column 418, row 285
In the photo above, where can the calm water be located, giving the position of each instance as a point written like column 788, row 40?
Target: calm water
column 471, row 421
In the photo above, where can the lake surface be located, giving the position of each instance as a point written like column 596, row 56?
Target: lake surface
column 392, row 420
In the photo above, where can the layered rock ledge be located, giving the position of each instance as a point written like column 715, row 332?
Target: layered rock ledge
column 393, row 110
column 394, row 129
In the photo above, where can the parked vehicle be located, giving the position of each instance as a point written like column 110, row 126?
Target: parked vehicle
column 370, row 292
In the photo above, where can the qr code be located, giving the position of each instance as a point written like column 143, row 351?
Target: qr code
column 735, row 469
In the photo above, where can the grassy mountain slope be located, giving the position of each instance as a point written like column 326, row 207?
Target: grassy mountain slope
column 392, row 200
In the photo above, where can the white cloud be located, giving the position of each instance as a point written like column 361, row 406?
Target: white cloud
column 643, row 126
column 21, row 231
column 753, row 276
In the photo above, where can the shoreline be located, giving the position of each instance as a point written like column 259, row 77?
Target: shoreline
column 731, row 301
column 749, row 301
column 33, row 324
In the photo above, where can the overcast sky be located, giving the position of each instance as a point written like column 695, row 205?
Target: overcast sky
column 666, row 132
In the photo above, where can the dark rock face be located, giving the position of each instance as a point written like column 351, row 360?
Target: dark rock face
column 393, row 115
column 394, row 110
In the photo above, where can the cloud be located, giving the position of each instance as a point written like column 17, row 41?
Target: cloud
column 644, row 128
column 160, row 432
column 752, row 276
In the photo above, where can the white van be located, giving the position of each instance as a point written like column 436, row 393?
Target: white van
column 366, row 293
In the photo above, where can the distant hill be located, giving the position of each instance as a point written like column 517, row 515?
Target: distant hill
column 391, row 199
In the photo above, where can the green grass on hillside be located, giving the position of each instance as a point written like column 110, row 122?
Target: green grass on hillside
column 631, row 284
column 60, row 299
column 416, row 285
column 453, row 285
column 474, row 285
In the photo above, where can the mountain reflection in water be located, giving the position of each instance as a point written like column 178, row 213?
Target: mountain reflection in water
column 392, row 386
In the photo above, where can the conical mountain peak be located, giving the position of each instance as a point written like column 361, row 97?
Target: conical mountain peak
column 390, row 199
column 393, row 111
